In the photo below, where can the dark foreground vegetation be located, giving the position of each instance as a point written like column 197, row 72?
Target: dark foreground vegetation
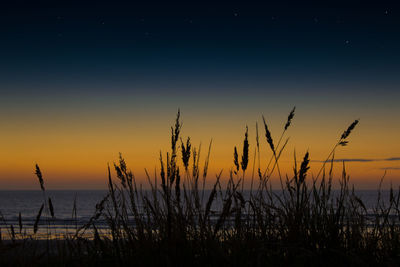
column 179, row 223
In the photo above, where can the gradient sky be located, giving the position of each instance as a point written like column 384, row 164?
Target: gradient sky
column 80, row 83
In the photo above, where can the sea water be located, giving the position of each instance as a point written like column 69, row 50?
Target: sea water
column 28, row 204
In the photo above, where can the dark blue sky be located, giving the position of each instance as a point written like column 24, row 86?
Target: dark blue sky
column 68, row 45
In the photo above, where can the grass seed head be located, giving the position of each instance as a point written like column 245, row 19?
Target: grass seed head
column 349, row 130
column 245, row 155
column 235, row 159
column 289, row 119
column 40, row 177
column 268, row 136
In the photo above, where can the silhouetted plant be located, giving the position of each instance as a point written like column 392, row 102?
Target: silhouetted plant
column 178, row 222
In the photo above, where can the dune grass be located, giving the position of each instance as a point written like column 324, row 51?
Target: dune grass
column 179, row 222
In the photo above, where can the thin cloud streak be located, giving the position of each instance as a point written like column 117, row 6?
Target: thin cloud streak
column 392, row 159
column 360, row 160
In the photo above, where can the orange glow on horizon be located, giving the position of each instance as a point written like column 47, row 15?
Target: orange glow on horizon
column 75, row 154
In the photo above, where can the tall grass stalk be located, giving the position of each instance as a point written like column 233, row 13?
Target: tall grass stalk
column 178, row 221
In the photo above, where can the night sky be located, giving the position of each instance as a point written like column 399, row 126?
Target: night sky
column 80, row 82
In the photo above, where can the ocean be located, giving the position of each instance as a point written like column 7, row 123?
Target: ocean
column 28, row 204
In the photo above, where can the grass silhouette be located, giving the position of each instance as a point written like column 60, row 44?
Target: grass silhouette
column 178, row 222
